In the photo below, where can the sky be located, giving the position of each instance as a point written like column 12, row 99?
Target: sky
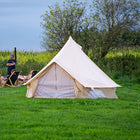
column 20, row 23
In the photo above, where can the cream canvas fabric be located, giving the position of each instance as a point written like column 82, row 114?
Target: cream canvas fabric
column 72, row 63
column 55, row 84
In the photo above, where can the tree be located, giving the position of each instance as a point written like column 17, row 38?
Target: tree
column 110, row 17
column 61, row 22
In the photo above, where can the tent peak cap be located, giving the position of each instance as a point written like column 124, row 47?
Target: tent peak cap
column 72, row 42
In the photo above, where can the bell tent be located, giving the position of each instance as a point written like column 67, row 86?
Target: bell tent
column 71, row 74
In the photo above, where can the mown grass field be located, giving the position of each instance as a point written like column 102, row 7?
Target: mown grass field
column 73, row 119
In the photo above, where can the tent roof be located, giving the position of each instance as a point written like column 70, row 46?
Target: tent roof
column 74, row 61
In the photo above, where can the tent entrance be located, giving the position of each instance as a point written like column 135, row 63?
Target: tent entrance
column 55, row 84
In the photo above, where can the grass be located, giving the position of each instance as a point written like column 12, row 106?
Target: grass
column 77, row 119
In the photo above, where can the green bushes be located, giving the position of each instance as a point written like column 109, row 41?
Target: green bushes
column 126, row 64
column 29, row 65
column 123, row 66
column 137, row 74
column 26, row 61
column 115, row 64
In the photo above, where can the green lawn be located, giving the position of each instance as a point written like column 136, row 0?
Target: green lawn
column 77, row 119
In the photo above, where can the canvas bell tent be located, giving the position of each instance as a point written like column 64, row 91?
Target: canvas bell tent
column 71, row 74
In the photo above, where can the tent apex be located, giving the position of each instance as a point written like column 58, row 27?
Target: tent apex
column 70, row 37
column 72, row 40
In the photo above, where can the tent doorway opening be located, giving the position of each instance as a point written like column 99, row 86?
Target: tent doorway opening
column 55, row 83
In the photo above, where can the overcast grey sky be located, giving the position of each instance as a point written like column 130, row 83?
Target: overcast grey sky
column 20, row 23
